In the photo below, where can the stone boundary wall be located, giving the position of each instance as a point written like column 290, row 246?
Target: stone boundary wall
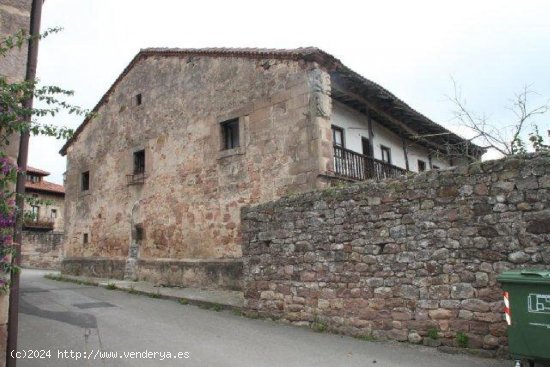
column 400, row 258
column 213, row 274
column 216, row 273
column 42, row 250
column 94, row 267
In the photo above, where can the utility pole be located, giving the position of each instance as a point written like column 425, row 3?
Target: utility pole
column 32, row 58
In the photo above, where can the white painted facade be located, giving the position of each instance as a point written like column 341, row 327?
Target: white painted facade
column 355, row 127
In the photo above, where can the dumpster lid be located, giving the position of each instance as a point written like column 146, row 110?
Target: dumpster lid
column 525, row 276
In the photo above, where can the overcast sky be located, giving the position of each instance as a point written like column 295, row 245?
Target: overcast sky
column 412, row 48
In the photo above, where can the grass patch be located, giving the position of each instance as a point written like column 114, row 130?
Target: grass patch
column 433, row 333
column 319, row 326
column 57, row 277
column 251, row 315
column 132, row 290
column 154, row 295
column 217, row 307
column 110, row 286
column 366, row 337
column 462, row 339
column 61, row 278
column 183, row 301
column 237, row 312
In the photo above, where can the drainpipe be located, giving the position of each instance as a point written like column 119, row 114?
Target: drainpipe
column 32, row 57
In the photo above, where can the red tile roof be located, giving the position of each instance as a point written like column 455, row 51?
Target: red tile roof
column 45, row 186
column 37, row 171
column 308, row 54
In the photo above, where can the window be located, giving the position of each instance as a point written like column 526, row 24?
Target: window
column 366, row 146
column 53, row 214
column 230, row 134
column 338, row 136
column 421, row 166
column 386, row 154
column 139, row 162
column 85, row 238
column 85, row 181
column 35, row 212
column 138, row 99
column 139, row 233
column 33, row 178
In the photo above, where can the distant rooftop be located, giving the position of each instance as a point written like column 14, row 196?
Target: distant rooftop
column 42, row 186
column 37, row 171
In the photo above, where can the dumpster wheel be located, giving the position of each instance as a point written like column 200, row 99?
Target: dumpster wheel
column 524, row 363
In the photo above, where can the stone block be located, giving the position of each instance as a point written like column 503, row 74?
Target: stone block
column 462, row 291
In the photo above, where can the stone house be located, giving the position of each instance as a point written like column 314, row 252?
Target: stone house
column 184, row 138
column 45, row 208
column 43, row 225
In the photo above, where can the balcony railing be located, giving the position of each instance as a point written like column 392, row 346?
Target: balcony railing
column 355, row 166
column 136, row 178
column 39, row 224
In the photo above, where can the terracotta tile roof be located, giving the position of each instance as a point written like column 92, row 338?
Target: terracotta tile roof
column 37, row 171
column 308, row 54
column 45, row 186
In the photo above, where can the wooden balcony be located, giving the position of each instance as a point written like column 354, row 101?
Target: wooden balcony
column 42, row 224
column 355, row 166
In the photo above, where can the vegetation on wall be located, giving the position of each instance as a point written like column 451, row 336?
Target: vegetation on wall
column 17, row 118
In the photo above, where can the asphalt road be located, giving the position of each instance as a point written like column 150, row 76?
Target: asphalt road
column 93, row 322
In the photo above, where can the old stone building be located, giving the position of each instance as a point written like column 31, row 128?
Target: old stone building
column 46, row 204
column 186, row 137
column 43, row 225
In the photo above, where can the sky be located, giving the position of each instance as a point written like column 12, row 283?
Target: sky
column 492, row 49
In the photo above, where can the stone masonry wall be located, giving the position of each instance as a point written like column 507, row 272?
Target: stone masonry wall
column 41, row 250
column 189, row 203
column 397, row 258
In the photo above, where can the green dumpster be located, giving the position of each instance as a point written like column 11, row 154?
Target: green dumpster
column 527, row 312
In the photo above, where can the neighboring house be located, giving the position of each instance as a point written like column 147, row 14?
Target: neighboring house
column 45, row 206
column 186, row 137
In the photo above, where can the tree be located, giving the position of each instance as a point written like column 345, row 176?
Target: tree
column 506, row 138
column 16, row 119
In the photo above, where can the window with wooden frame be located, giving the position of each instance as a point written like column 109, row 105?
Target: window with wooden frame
column 338, row 136
column 35, row 212
column 421, row 165
column 230, row 134
column 365, row 144
column 386, row 154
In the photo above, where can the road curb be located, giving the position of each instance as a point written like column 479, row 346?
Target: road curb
column 124, row 287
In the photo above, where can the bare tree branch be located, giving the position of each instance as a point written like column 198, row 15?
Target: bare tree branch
column 504, row 138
